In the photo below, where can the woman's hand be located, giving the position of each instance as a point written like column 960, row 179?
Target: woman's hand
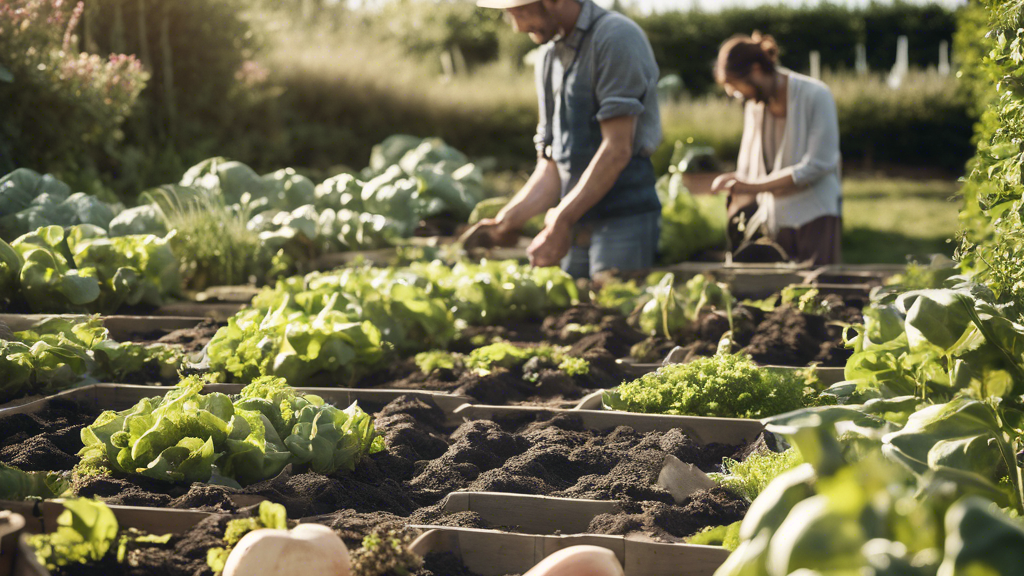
column 724, row 183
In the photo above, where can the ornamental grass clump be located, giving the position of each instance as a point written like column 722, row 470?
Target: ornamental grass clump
column 725, row 385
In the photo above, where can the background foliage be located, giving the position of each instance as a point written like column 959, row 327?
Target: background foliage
column 314, row 85
column 992, row 241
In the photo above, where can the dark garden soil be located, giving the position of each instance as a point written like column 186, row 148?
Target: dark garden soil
column 191, row 340
column 536, row 453
column 783, row 337
column 584, row 327
column 537, row 383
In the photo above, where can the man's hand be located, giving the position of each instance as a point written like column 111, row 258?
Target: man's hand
column 550, row 246
column 489, row 233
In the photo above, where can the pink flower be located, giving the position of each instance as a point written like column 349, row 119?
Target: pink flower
column 76, row 15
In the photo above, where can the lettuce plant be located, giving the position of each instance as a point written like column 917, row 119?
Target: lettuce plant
column 485, row 359
column 59, row 353
column 294, row 346
column 16, row 484
column 186, row 436
column 86, row 530
column 724, row 385
column 670, row 309
column 81, row 270
column 751, row 476
column 50, row 280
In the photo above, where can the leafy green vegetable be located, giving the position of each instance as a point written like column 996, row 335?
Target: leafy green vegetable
column 689, row 223
column 385, row 554
column 493, row 291
column 59, row 353
column 804, row 298
column 671, row 310
column 725, row 385
column 574, row 366
column 273, row 516
column 229, row 179
column 86, row 530
column 134, row 269
column 922, row 277
column 183, row 435
column 18, row 485
column 80, row 270
column 294, row 346
column 751, row 476
column 29, row 201
column 143, row 219
column 390, row 151
column 506, row 355
column 621, row 296
column 727, row 537
column 427, row 362
column 49, row 279
column 10, row 273
column 287, row 189
column 341, row 192
column 348, row 230
column 345, row 323
column 485, row 359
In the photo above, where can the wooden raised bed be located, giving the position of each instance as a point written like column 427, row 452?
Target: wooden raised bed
column 218, row 311
column 828, row 374
column 531, row 514
column 124, row 396
column 702, row 430
column 492, row 553
column 42, row 517
column 11, row 526
column 122, row 328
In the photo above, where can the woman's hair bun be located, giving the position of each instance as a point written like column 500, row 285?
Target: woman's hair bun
column 768, row 45
column 738, row 55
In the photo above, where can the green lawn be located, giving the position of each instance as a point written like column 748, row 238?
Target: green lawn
column 888, row 219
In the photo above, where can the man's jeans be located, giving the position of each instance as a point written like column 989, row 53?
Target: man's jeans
column 626, row 243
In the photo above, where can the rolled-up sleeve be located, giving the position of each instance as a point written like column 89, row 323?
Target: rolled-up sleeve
column 621, row 79
column 543, row 136
column 822, row 156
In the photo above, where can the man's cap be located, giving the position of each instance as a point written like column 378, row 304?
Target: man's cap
column 504, row 4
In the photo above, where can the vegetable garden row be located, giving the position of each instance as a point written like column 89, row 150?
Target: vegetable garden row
column 425, row 395
column 475, row 416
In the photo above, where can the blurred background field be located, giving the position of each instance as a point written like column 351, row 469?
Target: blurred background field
column 314, row 84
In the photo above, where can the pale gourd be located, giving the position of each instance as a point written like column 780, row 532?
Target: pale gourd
column 579, row 561
column 304, row 550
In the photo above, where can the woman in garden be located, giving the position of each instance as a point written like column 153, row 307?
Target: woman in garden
column 787, row 183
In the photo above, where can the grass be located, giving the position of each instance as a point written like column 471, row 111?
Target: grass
column 213, row 244
column 885, row 220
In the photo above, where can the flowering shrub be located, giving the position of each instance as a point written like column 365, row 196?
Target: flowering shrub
column 58, row 102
